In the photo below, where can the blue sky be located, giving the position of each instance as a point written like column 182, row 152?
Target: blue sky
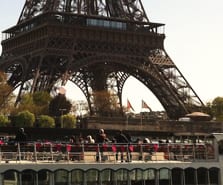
column 194, row 39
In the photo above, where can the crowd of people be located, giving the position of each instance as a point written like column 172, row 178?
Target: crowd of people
column 121, row 140
column 120, row 143
column 101, row 138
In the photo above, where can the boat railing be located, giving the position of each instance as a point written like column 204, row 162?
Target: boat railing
column 106, row 152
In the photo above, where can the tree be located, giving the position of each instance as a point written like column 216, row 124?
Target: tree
column 24, row 119
column 217, row 108
column 59, row 106
column 106, row 103
column 37, row 103
column 69, row 121
column 208, row 109
column 45, row 121
column 4, row 121
column 41, row 98
column 5, row 94
column 26, row 103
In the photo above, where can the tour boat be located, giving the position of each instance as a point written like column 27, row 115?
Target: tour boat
column 171, row 162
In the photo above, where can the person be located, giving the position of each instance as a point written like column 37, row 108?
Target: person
column 100, row 140
column 130, row 147
column 147, row 148
column 101, row 136
column 90, row 140
column 120, row 138
column 21, row 136
column 146, row 140
column 72, row 139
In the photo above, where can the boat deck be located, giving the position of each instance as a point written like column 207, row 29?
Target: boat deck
column 143, row 164
column 109, row 153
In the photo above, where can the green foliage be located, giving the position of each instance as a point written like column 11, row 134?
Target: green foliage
column 215, row 108
column 45, row 121
column 36, row 103
column 24, row 119
column 26, row 103
column 27, row 99
column 69, row 121
column 4, row 121
column 219, row 118
column 59, row 105
column 41, row 98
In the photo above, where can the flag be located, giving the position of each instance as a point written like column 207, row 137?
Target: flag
column 129, row 106
column 145, row 106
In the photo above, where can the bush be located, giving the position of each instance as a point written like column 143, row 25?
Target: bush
column 45, row 121
column 69, row 121
column 24, row 119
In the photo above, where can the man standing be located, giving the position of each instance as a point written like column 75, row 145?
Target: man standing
column 121, row 139
column 100, row 139
column 21, row 136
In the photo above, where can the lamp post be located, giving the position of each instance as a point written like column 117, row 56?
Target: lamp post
column 62, row 111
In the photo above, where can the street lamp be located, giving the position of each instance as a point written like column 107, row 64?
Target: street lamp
column 62, row 111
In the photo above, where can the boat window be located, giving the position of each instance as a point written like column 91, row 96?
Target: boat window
column 202, row 176
column 149, row 174
column 106, row 175
column 214, row 176
column 177, row 176
column 61, row 177
column 136, row 174
column 10, row 175
column 44, row 177
column 164, row 177
column 92, row 177
column 77, row 177
column 10, row 178
column 220, row 147
column 121, row 176
column 190, row 176
column 28, row 177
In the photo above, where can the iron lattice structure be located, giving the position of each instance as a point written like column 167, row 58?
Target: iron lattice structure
column 97, row 45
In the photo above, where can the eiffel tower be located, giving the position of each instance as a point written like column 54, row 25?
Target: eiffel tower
column 97, row 45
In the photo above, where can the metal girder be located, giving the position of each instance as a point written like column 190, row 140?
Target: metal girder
column 124, row 9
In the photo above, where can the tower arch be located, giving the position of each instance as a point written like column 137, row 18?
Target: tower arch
column 88, row 42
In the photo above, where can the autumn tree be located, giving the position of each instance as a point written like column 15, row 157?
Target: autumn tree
column 106, row 103
column 6, row 95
